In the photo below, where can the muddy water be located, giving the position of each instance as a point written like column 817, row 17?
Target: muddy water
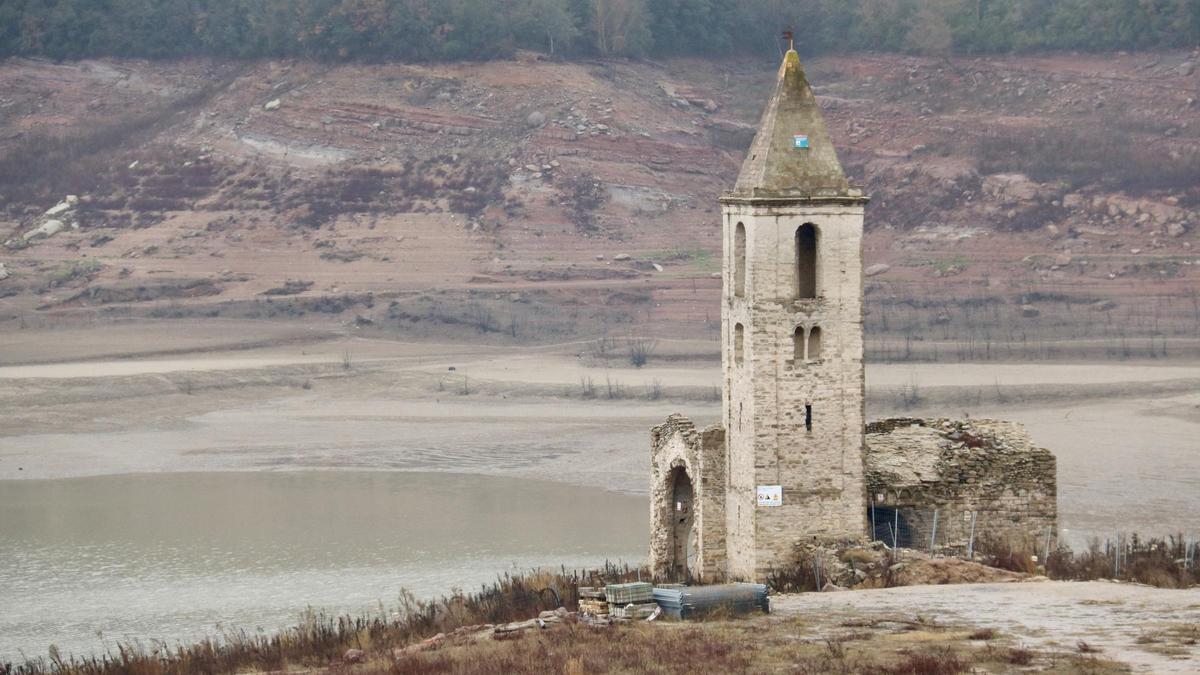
column 86, row 562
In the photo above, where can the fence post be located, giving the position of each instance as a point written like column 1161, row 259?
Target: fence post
column 971, row 541
column 1046, row 549
column 874, row 537
column 1117, row 558
column 933, row 534
column 896, row 531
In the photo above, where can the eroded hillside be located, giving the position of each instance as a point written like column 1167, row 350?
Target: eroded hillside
column 1017, row 202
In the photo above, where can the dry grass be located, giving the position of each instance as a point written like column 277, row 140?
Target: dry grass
column 766, row 644
column 1163, row 563
column 1156, row 562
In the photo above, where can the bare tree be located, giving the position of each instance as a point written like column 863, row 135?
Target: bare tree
column 620, row 26
column 640, row 350
column 551, row 19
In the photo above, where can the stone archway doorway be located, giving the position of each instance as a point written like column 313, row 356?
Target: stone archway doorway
column 682, row 516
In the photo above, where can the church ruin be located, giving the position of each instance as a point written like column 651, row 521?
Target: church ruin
column 792, row 462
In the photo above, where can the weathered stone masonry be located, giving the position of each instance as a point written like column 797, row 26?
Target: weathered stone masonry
column 982, row 471
column 686, row 463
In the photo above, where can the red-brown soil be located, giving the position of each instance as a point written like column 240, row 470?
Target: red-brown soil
column 493, row 200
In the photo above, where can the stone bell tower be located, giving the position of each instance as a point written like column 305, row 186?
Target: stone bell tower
column 792, row 339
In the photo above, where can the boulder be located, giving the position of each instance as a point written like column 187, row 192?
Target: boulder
column 535, row 119
column 1124, row 206
column 1011, row 187
column 4, row 274
column 876, row 270
column 61, row 207
column 47, row 229
column 423, row 646
column 1187, row 68
column 272, row 105
column 1029, row 311
column 622, row 257
column 1176, row 230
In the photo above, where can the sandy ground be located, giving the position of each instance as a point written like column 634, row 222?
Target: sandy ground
column 1058, row 615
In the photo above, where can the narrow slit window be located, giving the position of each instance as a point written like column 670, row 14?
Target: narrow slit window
column 806, row 261
column 808, row 417
column 739, row 260
column 814, row 343
column 798, row 344
column 739, row 344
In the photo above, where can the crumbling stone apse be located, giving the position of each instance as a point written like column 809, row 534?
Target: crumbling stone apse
column 687, row 507
column 980, row 476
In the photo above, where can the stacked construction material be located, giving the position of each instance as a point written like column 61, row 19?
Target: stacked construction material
column 630, row 601
column 685, row 602
column 592, row 601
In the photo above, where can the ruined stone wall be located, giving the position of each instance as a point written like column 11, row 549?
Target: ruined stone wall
column 767, row 388
column 677, row 444
column 983, row 467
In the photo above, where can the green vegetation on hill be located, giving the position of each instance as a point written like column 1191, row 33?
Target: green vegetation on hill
column 481, row 29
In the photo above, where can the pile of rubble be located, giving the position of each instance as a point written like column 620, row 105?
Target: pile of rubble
column 842, row 566
column 54, row 220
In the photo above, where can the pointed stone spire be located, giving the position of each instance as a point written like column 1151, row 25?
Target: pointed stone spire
column 792, row 155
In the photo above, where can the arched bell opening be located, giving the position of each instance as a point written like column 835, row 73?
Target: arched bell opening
column 806, row 261
column 739, row 260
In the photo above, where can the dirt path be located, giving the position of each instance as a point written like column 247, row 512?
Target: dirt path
column 1153, row 630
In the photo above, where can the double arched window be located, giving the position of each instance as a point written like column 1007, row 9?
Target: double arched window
column 806, row 346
